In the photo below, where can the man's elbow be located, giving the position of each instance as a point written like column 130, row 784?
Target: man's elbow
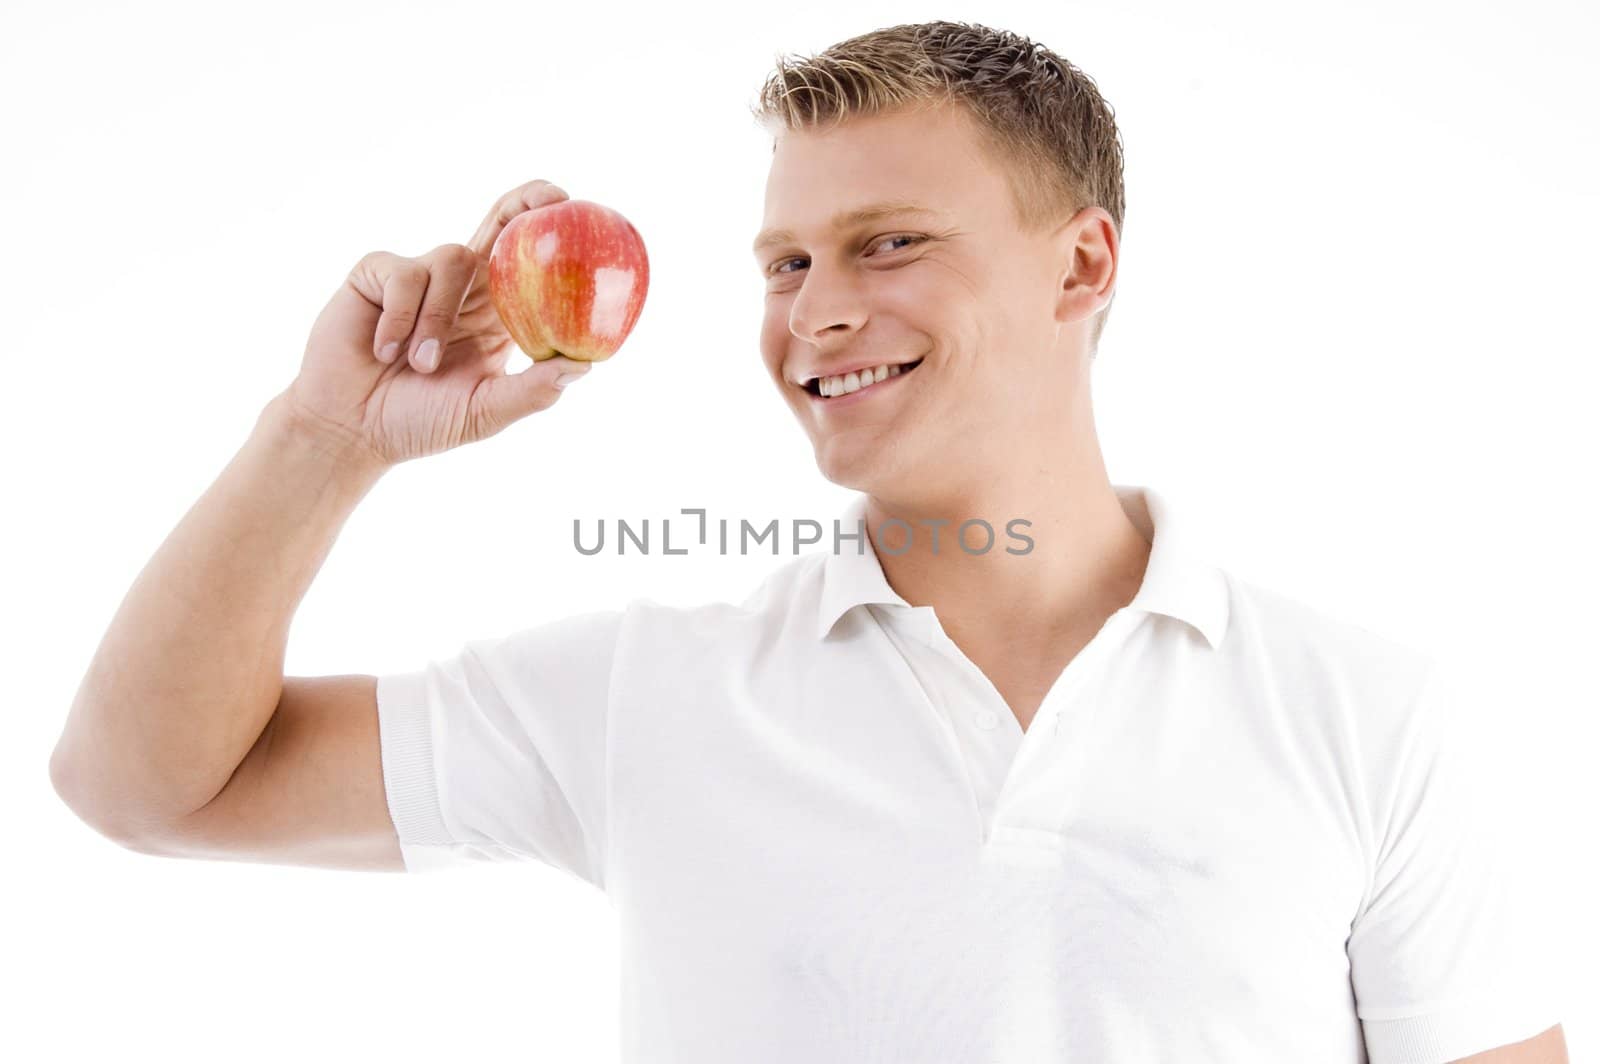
column 106, row 817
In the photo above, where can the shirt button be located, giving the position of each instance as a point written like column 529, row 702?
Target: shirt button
column 986, row 719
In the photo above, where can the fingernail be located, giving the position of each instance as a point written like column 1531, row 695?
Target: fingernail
column 390, row 349
column 574, row 369
column 428, row 353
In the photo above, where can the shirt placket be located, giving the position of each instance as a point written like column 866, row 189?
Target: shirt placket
column 1023, row 780
column 987, row 731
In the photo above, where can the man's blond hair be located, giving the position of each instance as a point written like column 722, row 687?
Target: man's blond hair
column 1043, row 118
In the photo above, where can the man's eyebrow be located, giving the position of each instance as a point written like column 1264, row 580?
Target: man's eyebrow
column 844, row 219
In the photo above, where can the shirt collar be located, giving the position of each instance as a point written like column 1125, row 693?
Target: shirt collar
column 1176, row 583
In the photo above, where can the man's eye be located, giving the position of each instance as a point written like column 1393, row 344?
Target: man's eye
column 900, row 236
column 777, row 267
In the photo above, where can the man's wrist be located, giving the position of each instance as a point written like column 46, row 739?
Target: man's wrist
column 341, row 450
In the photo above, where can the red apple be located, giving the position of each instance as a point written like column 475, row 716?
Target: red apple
column 569, row 278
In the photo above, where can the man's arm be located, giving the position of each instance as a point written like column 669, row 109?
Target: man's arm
column 309, row 792
column 1547, row 1048
column 188, row 679
column 184, row 736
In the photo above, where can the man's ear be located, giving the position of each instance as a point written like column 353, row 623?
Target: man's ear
column 1087, row 249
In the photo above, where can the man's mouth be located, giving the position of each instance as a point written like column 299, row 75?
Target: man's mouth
column 850, row 383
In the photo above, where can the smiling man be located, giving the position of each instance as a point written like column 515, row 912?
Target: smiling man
column 936, row 353
column 925, row 795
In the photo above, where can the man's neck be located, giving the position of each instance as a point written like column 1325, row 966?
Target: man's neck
column 1087, row 560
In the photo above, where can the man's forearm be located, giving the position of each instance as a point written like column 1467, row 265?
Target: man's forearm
column 191, row 668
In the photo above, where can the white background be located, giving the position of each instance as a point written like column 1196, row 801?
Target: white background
column 1354, row 342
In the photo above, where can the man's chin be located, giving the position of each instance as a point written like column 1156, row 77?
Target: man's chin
column 845, row 466
column 860, row 467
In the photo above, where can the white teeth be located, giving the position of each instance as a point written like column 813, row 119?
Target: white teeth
column 854, row 382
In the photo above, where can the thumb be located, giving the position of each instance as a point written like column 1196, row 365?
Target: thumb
column 509, row 397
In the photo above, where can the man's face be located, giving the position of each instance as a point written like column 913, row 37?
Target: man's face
column 959, row 291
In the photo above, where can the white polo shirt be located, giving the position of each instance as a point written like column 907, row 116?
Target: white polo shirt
column 1237, row 830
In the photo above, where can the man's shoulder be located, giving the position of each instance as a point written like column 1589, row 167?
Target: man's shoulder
column 1330, row 674
column 1306, row 638
column 779, row 601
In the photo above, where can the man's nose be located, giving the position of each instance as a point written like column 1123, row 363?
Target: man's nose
column 827, row 303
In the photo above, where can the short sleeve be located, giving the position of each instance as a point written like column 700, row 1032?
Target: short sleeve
column 499, row 753
column 1443, row 956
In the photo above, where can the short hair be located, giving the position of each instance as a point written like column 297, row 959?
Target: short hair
column 1044, row 120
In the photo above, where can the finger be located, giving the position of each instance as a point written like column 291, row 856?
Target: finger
column 450, row 268
column 508, row 397
column 523, row 198
column 402, row 281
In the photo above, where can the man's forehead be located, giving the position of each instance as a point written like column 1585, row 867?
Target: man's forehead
column 919, row 164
